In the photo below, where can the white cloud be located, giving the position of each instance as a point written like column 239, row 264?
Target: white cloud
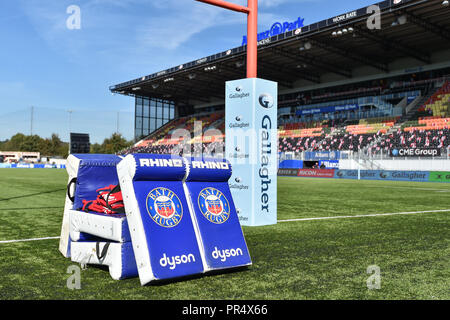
column 185, row 18
column 140, row 34
column 170, row 23
column 180, row 23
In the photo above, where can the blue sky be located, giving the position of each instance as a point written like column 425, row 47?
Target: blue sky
column 55, row 69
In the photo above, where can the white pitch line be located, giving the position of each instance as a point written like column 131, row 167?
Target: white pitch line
column 411, row 188
column 26, row 240
column 364, row 215
column 288, row 220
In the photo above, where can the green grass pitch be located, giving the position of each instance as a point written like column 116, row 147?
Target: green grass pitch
column 305, row 259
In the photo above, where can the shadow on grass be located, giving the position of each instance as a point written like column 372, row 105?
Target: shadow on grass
column 38, row 208
column 164, row 282
column 31, row 195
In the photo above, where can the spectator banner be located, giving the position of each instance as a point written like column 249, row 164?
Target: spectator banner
column 416, row 152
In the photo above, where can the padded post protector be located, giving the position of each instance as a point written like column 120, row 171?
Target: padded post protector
column 119, row 257
column 159, row 218
column 216, row 218
column 92, row 171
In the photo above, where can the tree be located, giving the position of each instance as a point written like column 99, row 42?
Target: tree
column 54, row 146
column 111, row 145
column 115, row 143
column 96, row 148
column 31, row 143
column 14, row 143
column 57, row 146
column 47, row 147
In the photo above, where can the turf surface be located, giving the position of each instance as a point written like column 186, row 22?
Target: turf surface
column 316, row 259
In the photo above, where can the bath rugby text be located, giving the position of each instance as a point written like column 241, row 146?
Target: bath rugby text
column 221, row 218
column 175, row 219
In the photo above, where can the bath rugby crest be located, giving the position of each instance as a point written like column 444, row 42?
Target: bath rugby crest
column 164, row 207
column 214, row 205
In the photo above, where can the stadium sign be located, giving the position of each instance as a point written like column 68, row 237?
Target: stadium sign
column 416, row 152
column 322, row 155
column 418, row 176
column 276, row 29
column 345, row 17
column 439, row 176
column 327, row 109
column 288, row 172
column 316, row 173
column 329, row 164
column 408, row 175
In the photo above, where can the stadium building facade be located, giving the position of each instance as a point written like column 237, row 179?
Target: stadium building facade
column 151, row 114
column 378, row 61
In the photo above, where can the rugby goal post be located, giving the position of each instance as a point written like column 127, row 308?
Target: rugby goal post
column 251, row 107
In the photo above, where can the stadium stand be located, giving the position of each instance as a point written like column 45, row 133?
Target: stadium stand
column 163, row 141
column 413, row 139
column 352, row 137
column 439, row 102
column 375, row 126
